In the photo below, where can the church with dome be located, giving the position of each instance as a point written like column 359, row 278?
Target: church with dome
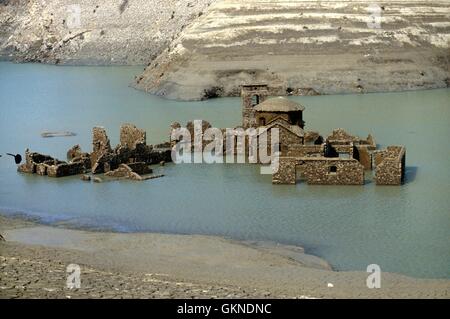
column 338, row 159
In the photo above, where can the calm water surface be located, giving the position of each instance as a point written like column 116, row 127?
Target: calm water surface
column 403, row 229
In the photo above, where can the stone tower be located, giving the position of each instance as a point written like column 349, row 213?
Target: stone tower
column 251, row 96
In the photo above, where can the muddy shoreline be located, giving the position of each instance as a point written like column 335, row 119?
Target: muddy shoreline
column 34, row 258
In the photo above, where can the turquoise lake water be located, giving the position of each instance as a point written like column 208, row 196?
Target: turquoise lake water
column 403, row 229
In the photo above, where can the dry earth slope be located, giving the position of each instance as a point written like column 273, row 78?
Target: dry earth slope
column 97, row 32
column 306, row 47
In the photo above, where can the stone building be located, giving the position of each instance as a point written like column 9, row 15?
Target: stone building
column 340, row 159
column 279, row 109
column 252, row 95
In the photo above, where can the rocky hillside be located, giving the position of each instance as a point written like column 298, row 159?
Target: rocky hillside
column 129, row 32
column 306, row 47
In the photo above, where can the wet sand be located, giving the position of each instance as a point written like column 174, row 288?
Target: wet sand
column 34, row 257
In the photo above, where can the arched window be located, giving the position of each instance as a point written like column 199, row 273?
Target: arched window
column 255, row 100
column 332, row 169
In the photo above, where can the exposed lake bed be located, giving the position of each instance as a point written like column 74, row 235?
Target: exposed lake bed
column 403, row 229
column 151, row 265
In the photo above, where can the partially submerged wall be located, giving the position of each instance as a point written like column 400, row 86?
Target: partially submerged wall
column 390, row 165
column 131, row 136
column 286, row 173
column 364, row 156
column 133, row 148
column 40, row 164
column 320, row 171
column 331, row 171
column 133, row 151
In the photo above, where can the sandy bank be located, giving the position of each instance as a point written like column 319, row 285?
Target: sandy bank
column 34, row 257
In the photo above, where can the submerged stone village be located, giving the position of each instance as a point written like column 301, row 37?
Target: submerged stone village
column 338, row 159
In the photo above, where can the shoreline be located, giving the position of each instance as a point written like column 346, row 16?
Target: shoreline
column 132, row 85
column 152, row 265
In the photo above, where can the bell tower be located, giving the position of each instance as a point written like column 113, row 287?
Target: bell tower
column 251, row 96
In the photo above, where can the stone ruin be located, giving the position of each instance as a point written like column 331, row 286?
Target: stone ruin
column 40, row 164
column 133, row 171
column 133, row 149
column 130, row 159
column 340, row 159
column 390, row 165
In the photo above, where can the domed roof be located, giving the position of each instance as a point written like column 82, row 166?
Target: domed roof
column 279, row 104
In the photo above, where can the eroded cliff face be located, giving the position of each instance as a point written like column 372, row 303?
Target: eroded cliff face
column 131, row 32
column 304, row 47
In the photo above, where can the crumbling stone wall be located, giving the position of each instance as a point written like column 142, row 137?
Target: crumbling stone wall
column 369, row 143
column 66, row 169
column 340, row 136
column 103, row 158
column 390, row 165
column 297, row 150
column 74, row 152
column 40, row 164
column 361, row 149
column 320, row 171
column 313, row 138
column 132, row 149
column 251, row 96
column 286, row 173
column 32, row 159
column 364, row 156
column 285, row 136
column 131, row 136
column 131, row 171
column 101, row 147
column 330, row 171
column 343, row 149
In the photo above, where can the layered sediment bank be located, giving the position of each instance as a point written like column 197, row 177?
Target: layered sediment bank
column 113, row 265
column 197, row 49
column 306, row 47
